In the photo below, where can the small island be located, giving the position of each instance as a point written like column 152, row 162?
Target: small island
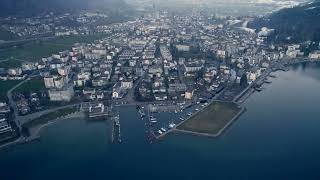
column 212, row 120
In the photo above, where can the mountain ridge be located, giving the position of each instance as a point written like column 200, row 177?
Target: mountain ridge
column 34, row 7
column 295, row 24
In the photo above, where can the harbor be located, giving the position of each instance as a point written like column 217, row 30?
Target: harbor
column 80, row 140
column 162, row 118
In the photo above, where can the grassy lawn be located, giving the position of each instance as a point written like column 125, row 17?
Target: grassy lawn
column 5, row 86
column 34, row 85
column 49, row 117
column 6, row 35
column 12, row 63
column 70, row 40
column 212, row 118
column 34, row 51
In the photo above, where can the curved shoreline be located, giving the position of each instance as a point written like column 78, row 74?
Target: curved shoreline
column 35, row 132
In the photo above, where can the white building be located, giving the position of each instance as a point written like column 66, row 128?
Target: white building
column 126, row 84
column 55, row 81
column 314, row 55
column 64, row 94
column 183, row 48
column 165, row 53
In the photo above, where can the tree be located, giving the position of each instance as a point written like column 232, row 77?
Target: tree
column 244, row 81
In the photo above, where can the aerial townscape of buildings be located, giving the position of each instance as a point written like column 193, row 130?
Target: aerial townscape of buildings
column 156, row 58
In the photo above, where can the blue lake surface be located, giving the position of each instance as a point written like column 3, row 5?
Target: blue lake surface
column 277, row 138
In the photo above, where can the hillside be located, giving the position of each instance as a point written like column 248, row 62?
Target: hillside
column 33, row 7
column 299, row 23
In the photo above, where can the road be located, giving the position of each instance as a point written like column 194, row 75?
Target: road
column 25, row 119
column 274, row 67
column 12, row 102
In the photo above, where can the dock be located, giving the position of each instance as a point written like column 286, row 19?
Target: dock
column 116, row 129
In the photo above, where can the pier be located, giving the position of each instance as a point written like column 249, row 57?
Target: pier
column 97, row 109
column 116, row 129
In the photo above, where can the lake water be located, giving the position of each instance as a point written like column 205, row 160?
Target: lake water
column 278, row 137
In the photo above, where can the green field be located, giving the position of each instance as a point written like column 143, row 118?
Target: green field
column 34, row 85
column 11, row 63
column 34, row 51
column 6, row 35
column 70, row 40
column 49, row 117
column 211, row 119
column 5, row 86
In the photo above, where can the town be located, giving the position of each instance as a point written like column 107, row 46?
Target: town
column 158, row 59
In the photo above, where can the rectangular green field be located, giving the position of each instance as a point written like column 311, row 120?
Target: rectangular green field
column 5, row 86
column 34, row 51
column 212, row 119
column 33, row 86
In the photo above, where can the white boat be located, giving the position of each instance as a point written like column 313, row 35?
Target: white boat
column 181, row 119
column 160, row 132
column 153, row 121
column 172, row 125
column 163, row 130
column 197, row 109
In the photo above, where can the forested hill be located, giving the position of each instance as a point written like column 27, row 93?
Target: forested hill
column 299, row 23
column 33, row 7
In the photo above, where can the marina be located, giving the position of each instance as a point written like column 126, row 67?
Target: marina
column 71, row 142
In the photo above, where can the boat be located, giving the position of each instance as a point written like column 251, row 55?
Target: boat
column 189, row 114
column 160, row 132
column 272, row 76
column 267, row 81
column 116, row 120
column 258, row 89
column 197, row 109
column 153, row 118
column 189, row 106
column 142, row 114
column 181, row 119
column 172, row 125
column 153, row 122
column 163, row 130
column 141, row 111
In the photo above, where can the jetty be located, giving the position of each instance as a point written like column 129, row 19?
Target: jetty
column 202, row 124
column 116, row 129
